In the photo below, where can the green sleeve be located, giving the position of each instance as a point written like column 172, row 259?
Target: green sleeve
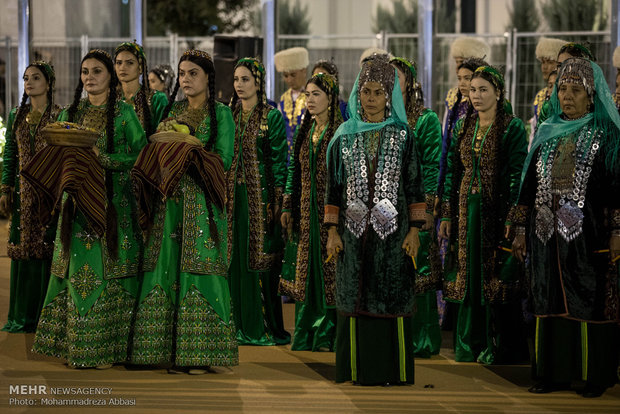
column 545, row 112
column 63, row 116
column 451, row 160
column 288, row 189
column 515, row 144
column 428, row 131
column 9, row 155
column 159, row 101
column 225, row 141
column 411, row 171
column 128, row 125
column 277, row 141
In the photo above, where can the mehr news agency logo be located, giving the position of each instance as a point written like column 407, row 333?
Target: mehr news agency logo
column 44, row 395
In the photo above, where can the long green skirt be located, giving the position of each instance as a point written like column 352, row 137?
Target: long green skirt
column 426, row 330
column 568, row 350
column 315, row 322
column 374, row 351
column 29, row 280
column 257, row 308
column 486, row 333
column 182, row 319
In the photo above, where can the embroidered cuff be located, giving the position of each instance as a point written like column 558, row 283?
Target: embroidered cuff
column 615, row 219
column 417, row 213
column 517, row 215
column 6, row 189
column 446, row 210
column 286, row 202
column 429, row 200
column 331, row 214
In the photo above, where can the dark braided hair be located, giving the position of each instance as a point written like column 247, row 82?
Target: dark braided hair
column 329, row 67
column 111, row 216
column 329, row 85
column 48, row 73
column 141, row 98
column 502, row 119
column 202, row 59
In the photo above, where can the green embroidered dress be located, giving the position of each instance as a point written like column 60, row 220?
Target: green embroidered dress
column 305, row 275
column 482, row 183
column 29, row 248
column 89, row 305
column 426, row 330
column 184, row 314
column 156, row 101
column 254, row 183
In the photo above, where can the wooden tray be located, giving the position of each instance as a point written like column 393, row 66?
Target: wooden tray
column 174, row 136
column 70, row 137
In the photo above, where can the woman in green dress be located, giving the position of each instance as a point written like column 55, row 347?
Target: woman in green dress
column 375, row 200
column 482, row 183
column 184, row 317
column 130, row 63
column 305, row 276
column 427, row 129
column 89, row 305
column 255, row 184
column 29, row 248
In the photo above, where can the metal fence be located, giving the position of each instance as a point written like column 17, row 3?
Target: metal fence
column 513, row 51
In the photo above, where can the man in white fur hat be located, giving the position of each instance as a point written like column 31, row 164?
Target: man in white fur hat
column 547, row 51
column 293, row 64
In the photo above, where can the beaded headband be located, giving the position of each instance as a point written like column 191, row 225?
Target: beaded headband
column 133, row 47
column 583, row 51
column 47, row 68
column 496, row 77
column 577, row 71
column 327, row 82
column 377, row 68
column 408, row 64
column 198, row 53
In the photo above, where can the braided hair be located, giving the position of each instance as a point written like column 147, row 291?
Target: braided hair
column 328, row 66
column 111, row 216
column 202, row 59
column 141, row 98
column 328, row 84
column 48, row 73
column 502, row 119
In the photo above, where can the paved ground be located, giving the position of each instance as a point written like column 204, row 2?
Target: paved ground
column 273, row 380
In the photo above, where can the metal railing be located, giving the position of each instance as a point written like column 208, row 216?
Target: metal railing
column 514, row 51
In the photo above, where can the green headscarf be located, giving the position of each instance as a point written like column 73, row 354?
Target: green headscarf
column 385, row 74
column 604, row 115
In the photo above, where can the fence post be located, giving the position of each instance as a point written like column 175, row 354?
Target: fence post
column 8, row 78
column 174, row 50
column 513, row 55
column 23, row 46
column 269, row 45
column 383, row 40
column 509, row 66
column 83, row 45
column 425, row 48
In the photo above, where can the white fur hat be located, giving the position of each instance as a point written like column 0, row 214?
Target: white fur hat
column 616, row 59
column 294, row 58
column 373, row 51
column 470, row 47
column 548, row 48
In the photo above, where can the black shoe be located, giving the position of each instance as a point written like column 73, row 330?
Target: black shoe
column 592, row 391
column 546, row 387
